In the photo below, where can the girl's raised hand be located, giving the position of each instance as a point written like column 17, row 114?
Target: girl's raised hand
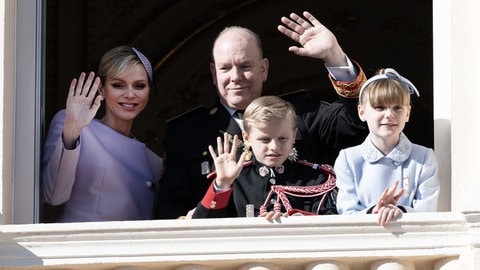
column 388, row 197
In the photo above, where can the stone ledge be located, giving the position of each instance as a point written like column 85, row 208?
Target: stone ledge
column 422, row 238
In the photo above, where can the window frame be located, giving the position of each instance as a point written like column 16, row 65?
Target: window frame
column 28, row 111
column 28, row 114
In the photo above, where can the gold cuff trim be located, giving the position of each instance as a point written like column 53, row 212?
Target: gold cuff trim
column 349, row 89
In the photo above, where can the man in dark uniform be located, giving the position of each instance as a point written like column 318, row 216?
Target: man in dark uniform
column 239, row 70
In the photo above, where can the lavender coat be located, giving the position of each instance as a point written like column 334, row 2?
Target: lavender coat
column 108, row 176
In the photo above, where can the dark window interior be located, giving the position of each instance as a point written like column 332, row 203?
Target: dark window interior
column 177, row 36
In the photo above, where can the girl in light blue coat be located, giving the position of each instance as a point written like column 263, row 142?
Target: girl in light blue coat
column 387, row 174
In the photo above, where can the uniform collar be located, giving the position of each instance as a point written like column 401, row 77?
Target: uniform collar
column 400, row 153
column 229, row 110
column 265, row 171
column 220, row 117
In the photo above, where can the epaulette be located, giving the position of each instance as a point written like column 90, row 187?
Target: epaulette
column 213, row 175
column 187, row 114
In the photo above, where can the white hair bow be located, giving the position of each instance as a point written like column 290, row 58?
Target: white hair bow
column 391, row 73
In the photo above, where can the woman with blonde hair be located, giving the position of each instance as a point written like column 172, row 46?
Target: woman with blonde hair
column 97, row 168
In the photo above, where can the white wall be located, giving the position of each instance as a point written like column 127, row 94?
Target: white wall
column 465, row 98
column 442, row 97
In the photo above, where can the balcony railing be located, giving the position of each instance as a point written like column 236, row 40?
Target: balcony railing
column 419, row 241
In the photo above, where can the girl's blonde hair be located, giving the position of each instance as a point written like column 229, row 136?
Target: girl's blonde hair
column 387, row 87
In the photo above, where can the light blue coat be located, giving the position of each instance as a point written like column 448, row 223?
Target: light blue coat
column 108, row 176
column 363, row 173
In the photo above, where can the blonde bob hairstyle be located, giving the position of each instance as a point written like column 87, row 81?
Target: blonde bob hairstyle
column 385, row 90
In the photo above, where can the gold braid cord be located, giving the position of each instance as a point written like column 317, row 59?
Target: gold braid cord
column 349, row 89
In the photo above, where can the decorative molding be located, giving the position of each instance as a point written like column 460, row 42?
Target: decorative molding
column 292, row 243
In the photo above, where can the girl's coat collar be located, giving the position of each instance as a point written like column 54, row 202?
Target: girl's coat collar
column 400, row 153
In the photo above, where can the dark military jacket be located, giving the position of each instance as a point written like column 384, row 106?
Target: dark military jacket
column 186, row 146
column 255, row 184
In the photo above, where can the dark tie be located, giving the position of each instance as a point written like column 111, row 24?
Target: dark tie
column 238, row 114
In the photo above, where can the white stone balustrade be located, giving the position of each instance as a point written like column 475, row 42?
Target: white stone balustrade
column 422, row 241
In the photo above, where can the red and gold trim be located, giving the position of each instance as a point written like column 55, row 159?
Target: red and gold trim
column 349, row 89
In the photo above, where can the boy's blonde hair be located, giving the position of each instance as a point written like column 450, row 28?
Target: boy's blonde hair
column 264, row 109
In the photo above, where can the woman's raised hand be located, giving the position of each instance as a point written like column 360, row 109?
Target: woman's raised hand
column 82, row 106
